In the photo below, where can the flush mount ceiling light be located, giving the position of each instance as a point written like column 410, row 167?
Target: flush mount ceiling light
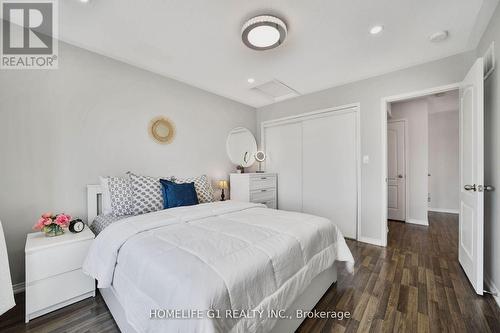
column 376, row 29
column 263, row 32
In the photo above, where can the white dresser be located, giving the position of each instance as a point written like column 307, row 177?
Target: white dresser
column 254, row 187
column 54, row 276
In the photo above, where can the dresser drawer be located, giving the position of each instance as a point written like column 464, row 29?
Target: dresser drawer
column 66, row 257
column 51, row 291
column 262, row 182
column 268, row 203
column 262, row 195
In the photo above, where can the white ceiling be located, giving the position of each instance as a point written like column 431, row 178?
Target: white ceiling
column 198, row 41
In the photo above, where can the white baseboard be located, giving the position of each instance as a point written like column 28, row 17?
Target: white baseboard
column 491, row 286
column 18, row 287
column 369, row 240
column 419, row 222
column 444, row 210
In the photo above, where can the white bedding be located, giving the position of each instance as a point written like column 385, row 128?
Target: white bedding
column 223, row 255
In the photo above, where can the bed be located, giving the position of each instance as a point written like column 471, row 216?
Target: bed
column 223, row 266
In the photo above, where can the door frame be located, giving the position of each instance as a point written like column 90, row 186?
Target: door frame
column 356, row 109
column 406, row 168
column 384, row 102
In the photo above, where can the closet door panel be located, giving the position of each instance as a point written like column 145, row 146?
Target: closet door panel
column 330, row 170
column 284, row 156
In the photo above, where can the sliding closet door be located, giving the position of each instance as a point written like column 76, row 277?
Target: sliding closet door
column 329, row 174
column 284, row 156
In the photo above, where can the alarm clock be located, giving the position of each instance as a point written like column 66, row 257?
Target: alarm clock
column 76, row 226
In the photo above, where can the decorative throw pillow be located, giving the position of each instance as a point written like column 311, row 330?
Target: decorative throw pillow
column 147, row 194
column 177, row 195
column 204, row 189
column 120, row 196
column 101, row 222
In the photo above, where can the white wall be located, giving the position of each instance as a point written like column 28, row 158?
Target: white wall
column 61, row 129
column 444, row 167
column 369, row 93
column 416, row 113
column 492, row 157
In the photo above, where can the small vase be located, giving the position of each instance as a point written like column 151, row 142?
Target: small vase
column 53, row 230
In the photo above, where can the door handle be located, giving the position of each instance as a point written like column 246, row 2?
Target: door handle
column 400, row 176
column 488, row 188
column 485, row 188
column 470, row 187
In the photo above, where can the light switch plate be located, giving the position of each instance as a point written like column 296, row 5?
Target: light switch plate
column 366, row 159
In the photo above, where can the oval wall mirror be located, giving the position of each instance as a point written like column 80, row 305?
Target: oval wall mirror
column 162, row 130
column 241, row 146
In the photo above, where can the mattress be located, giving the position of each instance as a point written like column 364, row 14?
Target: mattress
column 216, row 258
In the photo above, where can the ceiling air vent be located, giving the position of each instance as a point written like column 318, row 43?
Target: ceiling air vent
column 489, row 61
column 276, row 90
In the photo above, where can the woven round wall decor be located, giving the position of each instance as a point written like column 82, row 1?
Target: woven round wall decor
column 162, row 130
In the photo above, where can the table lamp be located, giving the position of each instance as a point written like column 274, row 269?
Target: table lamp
column 223, row 185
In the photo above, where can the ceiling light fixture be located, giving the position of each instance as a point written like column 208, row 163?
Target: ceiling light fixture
column 84, row 1
column 263, row 32
column 376, row 29
column 251, row 80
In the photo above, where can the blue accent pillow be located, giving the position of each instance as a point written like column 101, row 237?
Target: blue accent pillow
column 177, row 195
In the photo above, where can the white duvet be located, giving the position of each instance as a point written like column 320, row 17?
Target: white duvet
column 222, row 256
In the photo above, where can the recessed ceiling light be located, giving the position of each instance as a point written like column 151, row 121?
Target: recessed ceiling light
column 251, row 80
column 439, row 36
column 376, row 29
column 263, row 32
column 84, row 1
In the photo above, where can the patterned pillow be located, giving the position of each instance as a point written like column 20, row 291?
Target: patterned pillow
column 101, row 222
column 203, row 188
column 147, row 194
column 120, row 195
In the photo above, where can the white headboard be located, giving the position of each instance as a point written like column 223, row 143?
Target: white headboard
column 94, row 205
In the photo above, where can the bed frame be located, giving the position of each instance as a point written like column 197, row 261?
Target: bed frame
column 306, row 301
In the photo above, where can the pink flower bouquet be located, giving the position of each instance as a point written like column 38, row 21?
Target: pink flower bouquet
column 52, row 225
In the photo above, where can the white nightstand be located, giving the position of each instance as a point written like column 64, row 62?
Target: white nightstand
column 54, row 277
column 254, row 187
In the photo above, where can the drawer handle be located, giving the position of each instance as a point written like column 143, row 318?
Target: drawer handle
column 263, row 177
column 263, row 190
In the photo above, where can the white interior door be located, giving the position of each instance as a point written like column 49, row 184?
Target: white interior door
column 284, row 156
column 329, row 178
column 470, row 248
column 396, row 175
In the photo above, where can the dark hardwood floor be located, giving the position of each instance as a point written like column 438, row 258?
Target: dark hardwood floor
column 90, row 315
column 414, row 285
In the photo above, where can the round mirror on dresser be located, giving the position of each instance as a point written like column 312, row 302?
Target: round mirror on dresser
column 241, row 147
